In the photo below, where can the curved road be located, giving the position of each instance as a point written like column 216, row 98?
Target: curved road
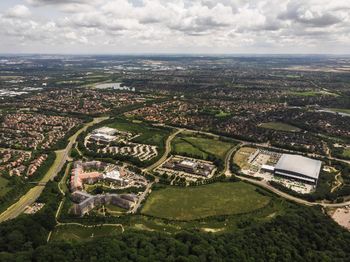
column 61, row 158
column 265, row 185
column 167, row 151
column 228, row 158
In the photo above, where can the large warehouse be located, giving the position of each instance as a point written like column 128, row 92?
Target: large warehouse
column 298, row 167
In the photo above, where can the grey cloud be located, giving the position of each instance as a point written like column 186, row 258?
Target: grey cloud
column 302, row 13
column 55, row 2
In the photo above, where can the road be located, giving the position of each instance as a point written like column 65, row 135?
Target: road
column 61, row 158
column 141, row 198
column 167, row 151
column 265, row 185
column 228, row 158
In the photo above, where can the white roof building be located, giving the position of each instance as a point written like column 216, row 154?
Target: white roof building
column 103, row 137
column 105, row 131
column 113, row 175
column 298, row 167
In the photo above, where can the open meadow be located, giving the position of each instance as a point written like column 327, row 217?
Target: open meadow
column 147, row 134
column 81, row 233
column 191, row 203
column 200, row 147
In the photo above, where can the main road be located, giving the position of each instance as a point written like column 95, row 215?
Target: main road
column 61, row 157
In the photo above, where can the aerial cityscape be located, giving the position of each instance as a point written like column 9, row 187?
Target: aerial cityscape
column 128, row 134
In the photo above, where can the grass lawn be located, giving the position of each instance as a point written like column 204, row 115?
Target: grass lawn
column 3, row 186
column 346, row 152
column 200, row 147
column 115, row 209
column 203, row 201
column 80, row 233
column 222, row 114
column 148, row 134
column 280, row 126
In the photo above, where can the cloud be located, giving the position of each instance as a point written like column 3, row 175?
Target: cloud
column 18, row 11
column 318, row 14
column 179, row 24
column 54, row 2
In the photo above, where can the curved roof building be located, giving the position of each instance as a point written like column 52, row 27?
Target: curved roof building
column 299, row 168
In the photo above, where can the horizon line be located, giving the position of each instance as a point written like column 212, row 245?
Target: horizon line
column 170, row 54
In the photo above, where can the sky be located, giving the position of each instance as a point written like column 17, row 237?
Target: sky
column 175, row 26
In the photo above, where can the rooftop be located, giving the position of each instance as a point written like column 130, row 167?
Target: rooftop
column 188, row 163
column 300, row 165
column 105, row 130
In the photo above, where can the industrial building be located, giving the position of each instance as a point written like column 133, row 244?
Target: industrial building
column 190, row 166
column 299, row 168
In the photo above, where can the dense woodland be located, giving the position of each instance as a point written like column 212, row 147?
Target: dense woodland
column 305, row 234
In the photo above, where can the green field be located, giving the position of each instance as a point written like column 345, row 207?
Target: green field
column 346, row 153
column 200, row 147
column 280, row 127
column 3, row 186
column 148, row 134
column 222, row 114
column 204, row 201
column 80, row 233
column 115, row 209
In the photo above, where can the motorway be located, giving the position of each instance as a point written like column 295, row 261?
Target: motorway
column 61, row 157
